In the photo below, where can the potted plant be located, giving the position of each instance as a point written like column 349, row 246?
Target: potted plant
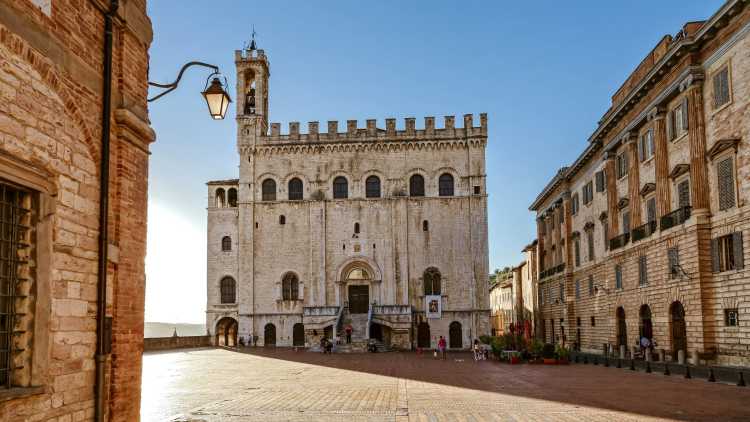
column 535, row 349
column 563, row 355
column 548, row 354
column 515, row 358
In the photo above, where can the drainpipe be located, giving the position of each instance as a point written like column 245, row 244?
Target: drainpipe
column 103, row 336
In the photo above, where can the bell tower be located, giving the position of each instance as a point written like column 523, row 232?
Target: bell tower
column 252, row 94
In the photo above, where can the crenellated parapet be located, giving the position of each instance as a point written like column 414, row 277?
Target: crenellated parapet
column 371, row 132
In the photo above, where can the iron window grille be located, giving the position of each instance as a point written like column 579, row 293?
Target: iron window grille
column 295, row 189
column 445, row 185
column 15, row 248
column 268, row 188
column 340, row 188
column 372, row 187
column 228, row 290
column 416, row 185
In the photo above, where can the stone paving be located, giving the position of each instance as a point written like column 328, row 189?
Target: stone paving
column 282, row 385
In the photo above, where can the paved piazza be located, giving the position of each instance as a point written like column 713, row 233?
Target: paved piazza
column 283, row 385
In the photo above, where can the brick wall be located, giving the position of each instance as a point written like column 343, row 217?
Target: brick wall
column 50, row 111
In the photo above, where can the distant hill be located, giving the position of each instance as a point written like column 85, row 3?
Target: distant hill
column 166, row 329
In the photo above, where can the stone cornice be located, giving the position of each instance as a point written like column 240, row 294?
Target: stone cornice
column 360, row 146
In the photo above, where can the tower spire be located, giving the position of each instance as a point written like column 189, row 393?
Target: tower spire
column 252, row 41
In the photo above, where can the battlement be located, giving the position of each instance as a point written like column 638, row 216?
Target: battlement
column 249, row 55
column 371, row 132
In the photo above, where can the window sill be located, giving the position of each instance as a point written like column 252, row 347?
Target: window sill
column 679, row 138
column 721, row 107
column 648, row 161
column 20, row 392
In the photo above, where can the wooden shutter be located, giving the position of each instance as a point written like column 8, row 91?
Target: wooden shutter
column 737, row 250
column 651, row 210
column 674, row 259
column 641, row 147
column 685, row 113
column 670, row 125
column 683, row 193
column 599, row 177
column 725, row 172
column 717, row 90
column 715, row 255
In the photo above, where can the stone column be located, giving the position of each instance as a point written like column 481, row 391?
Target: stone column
column 697, row 139
column 661, row 162
column 567, row 227
column 612, row 211
column 559, row 211
column 634, row 196
column 540, row 243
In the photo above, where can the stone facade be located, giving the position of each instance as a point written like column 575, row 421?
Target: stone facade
column 51, row 55
column 513, row 299
column 328, row 229
column 645, row 234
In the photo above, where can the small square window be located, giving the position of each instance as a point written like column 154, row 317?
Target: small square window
column 477, row 190
column 731, row 317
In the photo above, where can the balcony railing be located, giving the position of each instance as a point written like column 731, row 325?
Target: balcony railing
column 391, row 310
column 644, row 231
column 619, row 241
column 320, row 310
column 675, row 218
column 552, row 271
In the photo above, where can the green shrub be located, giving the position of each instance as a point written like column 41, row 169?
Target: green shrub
column 485, row 339
column 535, row 347
column 562, row 352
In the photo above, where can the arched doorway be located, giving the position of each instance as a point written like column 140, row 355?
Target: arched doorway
column 269, row 335
column 622, row 328
column 645, row 327
column 455, row 337
column 357, row 280
column 679, row 330
column 423, row 335
column 376, row 331
column 226, row 332
column 298, row 335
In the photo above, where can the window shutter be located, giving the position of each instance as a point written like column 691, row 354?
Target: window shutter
column 739, row 253
column 725, row 173
column 717, row 90
column 651, row 210
column 599, row 181
column 641, row 146
column 651, row 147
column 670, row 125
column 683, row 193
column 673, row 259
column 715, row 255
column 685, row 113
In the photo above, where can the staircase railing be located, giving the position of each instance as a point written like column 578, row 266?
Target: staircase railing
column 339, row 327
column 369, row 321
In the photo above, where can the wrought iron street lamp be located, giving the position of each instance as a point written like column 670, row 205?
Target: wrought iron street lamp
column 215, row 94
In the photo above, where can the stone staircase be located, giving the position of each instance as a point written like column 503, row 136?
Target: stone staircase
column 359, row 333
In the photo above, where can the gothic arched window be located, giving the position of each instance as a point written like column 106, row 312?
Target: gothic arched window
column 372, row 187
column 228, row 290
column 431, row 280
column 268, row 187
column 232, row 197
column 290, row 287
column 226, row 243
column 416, row 185
column 295, row 189
column 340, row 188
column 445, row 184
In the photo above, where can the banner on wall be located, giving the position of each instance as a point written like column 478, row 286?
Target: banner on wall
column 434, row 306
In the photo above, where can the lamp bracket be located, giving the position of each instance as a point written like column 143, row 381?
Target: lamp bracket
column 172, row 86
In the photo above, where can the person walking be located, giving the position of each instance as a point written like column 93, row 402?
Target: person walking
column 441, row 347
column 477, row 352
column 348, row 330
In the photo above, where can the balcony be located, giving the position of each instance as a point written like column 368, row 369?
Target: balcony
column 675, row 218
column 552, row 271
column 310, row 311
column 619, row 241
column 391, row 310
column 644, row 231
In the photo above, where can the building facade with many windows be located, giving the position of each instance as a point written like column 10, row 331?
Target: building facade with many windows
column 644, row 235
column 379, row 229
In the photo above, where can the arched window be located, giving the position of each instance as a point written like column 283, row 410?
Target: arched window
column 295, row 189
column 282, row 220
column 232, row 197
column 269, row 190
column 228, row 290
column 431, row 280
column 220, row 198
column 290, row 287
column 416, row 185
column 445, row 185
column 425, row 226
column 340, row 188
column 372, row 187
column 226, row 243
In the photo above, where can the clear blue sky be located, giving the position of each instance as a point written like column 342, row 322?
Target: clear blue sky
column 543, row 71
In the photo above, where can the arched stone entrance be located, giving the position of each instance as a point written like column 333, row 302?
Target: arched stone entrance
column 679, row 330
column 269, row 335
column 298, row 335
column 226, row 332
column 455, row 337
column 622, row 328
column 423, row 335
column 645, row 327
column 357, row 279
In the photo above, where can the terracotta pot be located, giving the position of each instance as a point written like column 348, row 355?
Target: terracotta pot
column 550, row 361
column 514, row 360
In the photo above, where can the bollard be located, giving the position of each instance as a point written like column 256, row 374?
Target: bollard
column 711, row 375
column 687, row 372
column 648, row 366
column 666, row 369
column 619, row 362
column 741, row 381
column 632, row 364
